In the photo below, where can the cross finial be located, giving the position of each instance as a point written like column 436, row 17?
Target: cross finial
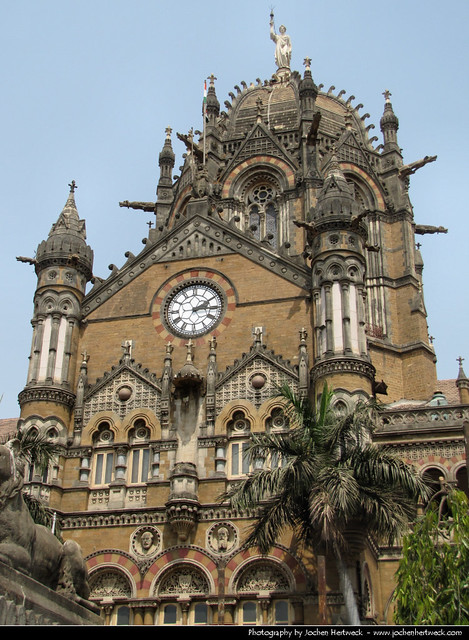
column 212, row 78
column 307, row 62
column 73, row 186
column 150, row 224
column 190, row 347
column 387, row 95
column 460, row 360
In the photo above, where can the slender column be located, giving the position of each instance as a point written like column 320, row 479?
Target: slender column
column 329, row 321
column 67, row 350
column 38, row 329
column 54, row 336
column 346, row 317
column 361, row 321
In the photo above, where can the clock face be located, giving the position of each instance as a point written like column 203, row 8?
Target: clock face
column 194, row 310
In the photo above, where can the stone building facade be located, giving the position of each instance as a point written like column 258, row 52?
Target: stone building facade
column 283, row 252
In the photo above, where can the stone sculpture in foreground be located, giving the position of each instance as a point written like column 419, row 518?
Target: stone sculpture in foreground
column 31, row 548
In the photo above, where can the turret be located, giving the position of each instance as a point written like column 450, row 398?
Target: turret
column 63, row 264
column 462, row 384
column 338, row 243
column 166, row 161
column 389, row 125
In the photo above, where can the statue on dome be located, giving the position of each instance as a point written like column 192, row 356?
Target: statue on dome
column 282, row 44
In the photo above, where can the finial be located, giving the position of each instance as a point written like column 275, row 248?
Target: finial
column 212, row 79
column 127, row 348
column 168, row 132
column 307, row 63
column 259, row 109
column 189, row 346
column 303, row 334
column 257, row 331
column 460, row 360
column 73, row 186
column 387, row 95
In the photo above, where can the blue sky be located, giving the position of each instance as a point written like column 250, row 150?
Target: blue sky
column 88, row 88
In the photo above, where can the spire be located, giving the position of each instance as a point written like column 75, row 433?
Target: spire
column 69, row 222
column 462, row 383
column 211, row 104
column 166, row 160
column 389, row 124
column 66, row 244
column 308, row 90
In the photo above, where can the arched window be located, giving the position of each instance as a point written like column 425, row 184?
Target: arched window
column 170, row 614
column 249, row 613
column 461, row 480
column 139, row 461
column 123, row 616
column 281, row 612
column 200, row 613
column 103, row 459
column 262, row 214
column 239, row 430
column 436, row 479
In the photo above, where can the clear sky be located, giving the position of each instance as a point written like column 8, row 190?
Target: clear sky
column 89, row 87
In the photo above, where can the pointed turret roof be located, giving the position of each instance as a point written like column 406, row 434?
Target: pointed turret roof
column 68, row 222
column 66, row 243
column 389, row 123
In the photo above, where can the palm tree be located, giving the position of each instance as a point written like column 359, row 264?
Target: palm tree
column 39, row 451
column 332, row 480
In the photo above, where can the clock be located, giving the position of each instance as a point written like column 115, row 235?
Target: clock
column 193, row 309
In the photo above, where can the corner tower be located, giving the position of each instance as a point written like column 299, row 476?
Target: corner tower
column 63, row 266
column 337, row 238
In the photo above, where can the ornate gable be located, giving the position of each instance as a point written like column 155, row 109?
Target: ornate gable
column 198, row 237
column 126, row 387
column 260, row 142
column 255, row 377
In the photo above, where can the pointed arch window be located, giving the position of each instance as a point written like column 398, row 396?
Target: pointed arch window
column 262, row 214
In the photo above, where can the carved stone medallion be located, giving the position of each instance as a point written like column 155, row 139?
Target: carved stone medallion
column 222, row 537
column 145, row 542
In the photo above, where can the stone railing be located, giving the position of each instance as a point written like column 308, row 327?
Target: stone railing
column 410, row 419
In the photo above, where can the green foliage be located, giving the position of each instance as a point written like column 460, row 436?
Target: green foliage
column 332, row 476
column 38, row 450
column 433, row 575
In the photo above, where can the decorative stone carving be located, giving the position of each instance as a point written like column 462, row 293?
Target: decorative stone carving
column 184, row 580
column 222, row 537
column 109, row 584
column 262, row 576
column 30, row 548
column 145, row 542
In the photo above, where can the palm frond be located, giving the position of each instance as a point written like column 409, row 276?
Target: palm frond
column 37, row 449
